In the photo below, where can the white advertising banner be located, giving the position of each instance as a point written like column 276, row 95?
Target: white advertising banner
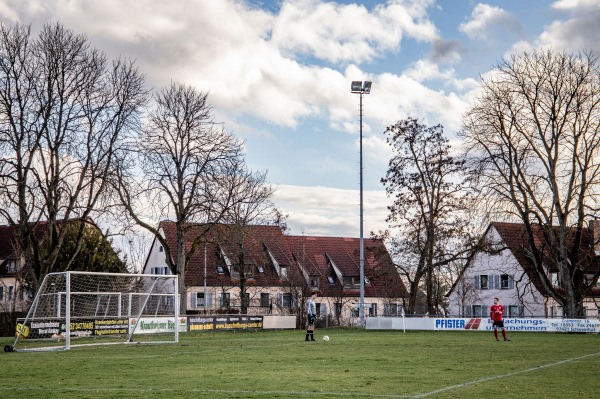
column 483, row 324
column 153, row 325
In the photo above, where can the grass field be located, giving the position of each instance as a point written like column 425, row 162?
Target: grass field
column 279, row 364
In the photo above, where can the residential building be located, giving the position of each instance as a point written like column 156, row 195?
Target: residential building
column 95, row 254
column 281, row 271
column 504, row 271
column 14, row 295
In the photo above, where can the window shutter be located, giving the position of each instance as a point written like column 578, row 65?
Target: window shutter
column 496, row 281
column 476, row 282
column 484, row 311
column 208, row 299
column 468, row 310
column 511, row 282
column 521, row 311
column 279, row 299
column 193, row 295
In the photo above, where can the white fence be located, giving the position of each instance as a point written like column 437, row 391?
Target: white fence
column 483, row 324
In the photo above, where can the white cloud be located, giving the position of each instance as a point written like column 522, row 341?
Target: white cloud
column 348, row 33
column 489, row 23
column 331, row 212
column 576, row 33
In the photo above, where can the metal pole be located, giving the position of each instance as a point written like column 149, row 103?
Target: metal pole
column 205, row 278
column 361, row 308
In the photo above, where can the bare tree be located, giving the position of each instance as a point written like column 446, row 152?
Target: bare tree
column 428, row 209
column 251, row 204
column 533, row 137
column 64, row 114
column 184, row 167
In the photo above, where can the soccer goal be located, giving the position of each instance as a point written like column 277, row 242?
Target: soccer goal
column 81, row 308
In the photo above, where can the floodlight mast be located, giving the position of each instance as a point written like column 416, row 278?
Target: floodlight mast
column 361, row 88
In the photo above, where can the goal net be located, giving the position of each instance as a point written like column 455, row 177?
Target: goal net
column 82, row 308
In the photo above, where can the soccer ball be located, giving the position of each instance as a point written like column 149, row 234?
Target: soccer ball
column 325, row 338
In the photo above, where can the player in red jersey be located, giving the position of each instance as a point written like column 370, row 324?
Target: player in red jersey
column 496, row 312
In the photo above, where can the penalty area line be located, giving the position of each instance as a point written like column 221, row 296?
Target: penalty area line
column 497, row 377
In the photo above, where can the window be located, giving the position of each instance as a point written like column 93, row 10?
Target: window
column 199, row 299
column 338, row 309
column 320, row 309
column 330, row 280
column 284, row 273
column 555, row 280
column 220, row 269
column 476, row 311
column 260, row 269
column 264, row 300
column 225, row 300
column 1, row 293
column 515, row 311
column 287, row 300
column 373, row 310
column 11, row 291
column 160, row 249
column 10, row 266
column 504, row 281
column 314, row 282
column 159, row 270
column 484, row 281
column 392, row 309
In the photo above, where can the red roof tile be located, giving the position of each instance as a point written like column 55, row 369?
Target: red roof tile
column 261, row 242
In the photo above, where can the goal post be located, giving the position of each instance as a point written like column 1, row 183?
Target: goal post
column 85, row 308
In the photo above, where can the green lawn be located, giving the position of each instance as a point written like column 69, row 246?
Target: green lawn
column 279, row 364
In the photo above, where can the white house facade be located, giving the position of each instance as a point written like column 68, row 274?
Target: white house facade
column 503, row 272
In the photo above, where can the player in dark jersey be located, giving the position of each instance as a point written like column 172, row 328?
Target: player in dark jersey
column 496, row 312
column 311, row 314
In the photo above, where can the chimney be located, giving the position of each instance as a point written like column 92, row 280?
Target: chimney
column 594, row 226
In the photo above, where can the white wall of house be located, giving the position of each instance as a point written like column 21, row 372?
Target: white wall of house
column 506, row 280
column 156, row 263
column 13, row 298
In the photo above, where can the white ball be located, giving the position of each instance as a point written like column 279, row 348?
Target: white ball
column 325, row 338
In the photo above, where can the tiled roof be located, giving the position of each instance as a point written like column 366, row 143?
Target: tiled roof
column 7, row 242
column 261, row 242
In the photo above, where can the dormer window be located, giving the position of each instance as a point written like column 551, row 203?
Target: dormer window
column 314, row 282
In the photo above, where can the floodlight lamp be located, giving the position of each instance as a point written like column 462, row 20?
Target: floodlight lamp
column 367, row 87
column 356, row 86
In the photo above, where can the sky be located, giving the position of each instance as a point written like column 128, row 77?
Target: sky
column 278, row 74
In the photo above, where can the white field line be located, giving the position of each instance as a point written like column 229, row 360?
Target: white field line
column 497, row 377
